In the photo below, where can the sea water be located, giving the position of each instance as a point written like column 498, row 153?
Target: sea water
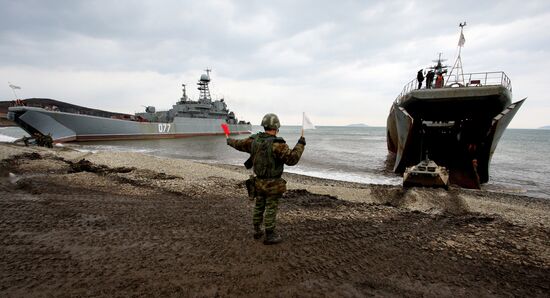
column 520, row 163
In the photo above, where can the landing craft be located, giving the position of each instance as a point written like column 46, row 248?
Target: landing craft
column 186, row 118
column 458, row 121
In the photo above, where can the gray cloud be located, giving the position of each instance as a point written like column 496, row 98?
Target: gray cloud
column 341, row 59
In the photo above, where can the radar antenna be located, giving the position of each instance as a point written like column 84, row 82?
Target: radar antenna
column 204, row 96
column 439, row 68
column 457, row 66
column 184, row 97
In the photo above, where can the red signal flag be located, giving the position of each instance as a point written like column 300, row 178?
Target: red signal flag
column 226, row 129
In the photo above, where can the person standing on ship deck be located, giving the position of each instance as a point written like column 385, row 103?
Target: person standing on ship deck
column 429, row 79
column 439, row 81
column 420, row 78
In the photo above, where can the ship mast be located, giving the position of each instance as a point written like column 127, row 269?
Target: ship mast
column 457, row 66
column 204, row 96
column 13, row 87
column 184, row 97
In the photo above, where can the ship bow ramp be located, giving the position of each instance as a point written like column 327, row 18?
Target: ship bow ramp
column 38, row 120
column 459, row 128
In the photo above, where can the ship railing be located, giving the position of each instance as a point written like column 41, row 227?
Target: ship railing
column 475, row 79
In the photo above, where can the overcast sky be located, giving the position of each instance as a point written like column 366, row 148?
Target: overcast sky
column 340, row 61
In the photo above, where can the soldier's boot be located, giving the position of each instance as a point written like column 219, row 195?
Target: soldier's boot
column 258, row 233
column 271, row 237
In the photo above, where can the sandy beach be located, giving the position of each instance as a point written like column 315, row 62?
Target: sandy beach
column 127, row 224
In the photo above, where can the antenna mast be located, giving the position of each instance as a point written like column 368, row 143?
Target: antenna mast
column 457, row 66
column 204, row 96
column 13, row 87
column 184, row 96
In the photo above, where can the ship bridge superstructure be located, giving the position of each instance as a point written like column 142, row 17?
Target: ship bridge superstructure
column 204, row 107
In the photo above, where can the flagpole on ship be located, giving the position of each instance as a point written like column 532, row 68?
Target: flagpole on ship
column 13, row 87
column 457, row 66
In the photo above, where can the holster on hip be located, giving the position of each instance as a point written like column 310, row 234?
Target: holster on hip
column 251, row 186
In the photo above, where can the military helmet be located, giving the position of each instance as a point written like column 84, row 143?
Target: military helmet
column 271, row 121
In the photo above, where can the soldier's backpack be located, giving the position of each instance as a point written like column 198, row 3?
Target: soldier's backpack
column 264, row 163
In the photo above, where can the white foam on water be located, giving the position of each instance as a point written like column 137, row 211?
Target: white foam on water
column 7, row 139
column 374, row 138
column 346, row 176
column 86, row 150
column 95, row 149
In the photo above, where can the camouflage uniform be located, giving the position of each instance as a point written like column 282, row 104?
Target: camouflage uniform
column 43, row 140
column 269, row 184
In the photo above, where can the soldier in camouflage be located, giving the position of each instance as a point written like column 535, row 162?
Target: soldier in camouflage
column 269, row 154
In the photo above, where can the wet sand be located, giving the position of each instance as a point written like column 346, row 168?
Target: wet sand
column 122, row 224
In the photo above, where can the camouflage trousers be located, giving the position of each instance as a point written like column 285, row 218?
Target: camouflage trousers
column 265, row 211
column 268, row 193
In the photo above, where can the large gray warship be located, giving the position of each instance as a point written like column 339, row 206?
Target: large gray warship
column 458, row 121
column 186, row 118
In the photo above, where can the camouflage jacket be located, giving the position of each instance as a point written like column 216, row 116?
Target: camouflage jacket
column 281, row 153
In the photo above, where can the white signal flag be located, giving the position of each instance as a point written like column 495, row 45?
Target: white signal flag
column 461, row 40
column 306, row 123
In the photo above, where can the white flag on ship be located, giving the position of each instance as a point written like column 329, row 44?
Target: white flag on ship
column 306, row 123
column 461, row 40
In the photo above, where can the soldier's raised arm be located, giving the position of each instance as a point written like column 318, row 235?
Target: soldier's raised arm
column 288, row 156
column 244, row 145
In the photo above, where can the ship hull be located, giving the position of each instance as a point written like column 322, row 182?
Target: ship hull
column 458, row 128
column 70, row 127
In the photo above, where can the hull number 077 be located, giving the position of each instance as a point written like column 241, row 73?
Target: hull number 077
column 164, row 127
